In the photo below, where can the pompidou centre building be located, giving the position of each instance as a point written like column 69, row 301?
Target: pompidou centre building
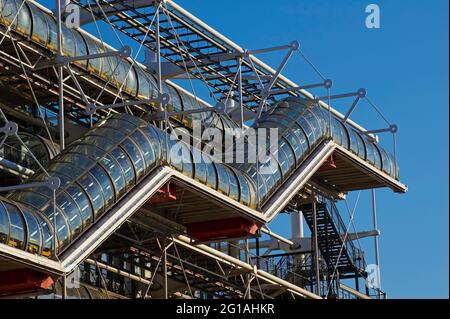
column 145, row 155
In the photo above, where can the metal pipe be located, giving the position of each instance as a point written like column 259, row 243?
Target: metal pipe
column 59, row 55
column 315, row 244
column 273, row 235
column 255, row 60
column 213, row 253
column 375, row 227
column 164, row 265
column 117, row 271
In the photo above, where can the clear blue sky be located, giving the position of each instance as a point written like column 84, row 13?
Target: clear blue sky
column 404, row 66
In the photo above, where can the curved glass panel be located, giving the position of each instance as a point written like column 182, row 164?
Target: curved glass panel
column 307, row 128
column 295, row 145
column 244, row 190
column 94, row 65
column 234, row 184
column 81, row 49
column 72, row 213
column 23, row 19
column 52, row 43
column 223, row 180
column 69, row 42
column 62, row 227
column 200, row 166
column 131, row 85
column 17, row 227
column 211, row 175
column 135, row 156
column 30, row 198
column 87, row 150
column 103, row 142
column 4, row 224
column 153, row 137
column 126, row 165
column 146, row 149
column 80, row 197
column 8, row 12
column 40, row 26
column 314, row 122
column 108, row 190
column 94, row 191
column 361, row 146
column 34, row 242
column 116, row 174
column 377, row 156
column 68, row 169
column 47, row 236
column 143, row 84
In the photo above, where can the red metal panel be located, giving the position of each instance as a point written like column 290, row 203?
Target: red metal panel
column 20, row 281
column 222, row 229
column 166, row 193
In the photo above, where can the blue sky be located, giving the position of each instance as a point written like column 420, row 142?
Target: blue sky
column 404, row 66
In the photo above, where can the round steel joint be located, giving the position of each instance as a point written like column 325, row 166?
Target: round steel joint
column 394, row 128
column 164, row 98
column 362, row 92
column 53, row 182
column 10, row 128
column 295, row 45
column 90, row 108
column 328, row 84
column 220, row 107
column 125, row 52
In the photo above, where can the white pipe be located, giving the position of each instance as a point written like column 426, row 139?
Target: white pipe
column 255, row 60
column 206, row 250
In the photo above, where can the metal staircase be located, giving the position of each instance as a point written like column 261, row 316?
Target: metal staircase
column 331, row 230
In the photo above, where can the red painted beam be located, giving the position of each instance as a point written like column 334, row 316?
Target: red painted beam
column 328, row 164
column 166, row 193
column 21, row 281
column 237, row 227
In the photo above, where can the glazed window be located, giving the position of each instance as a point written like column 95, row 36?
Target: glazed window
column 135, row 156
column 32, row 199
column 146, row 149
column 153, row 137
column 308, row 130
column 224, row 180
column 17, row 227
column 143, row 83
column 94, row 65
column 34, row 232
column 126, row 165
column 81, row 49
column 295, row 146
column 244, row 189
column 62, row 227
column 83, row 203
column 211, row 175
column 94, row 191
column 40, row 26
column 116, row 174
column 234, row 184
column 72, row 213
column 4, row 224
column 47, row 236
column 69, row 42
column 106, row 184
column 106, row 141
column 200, row 166
column 23, row 19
